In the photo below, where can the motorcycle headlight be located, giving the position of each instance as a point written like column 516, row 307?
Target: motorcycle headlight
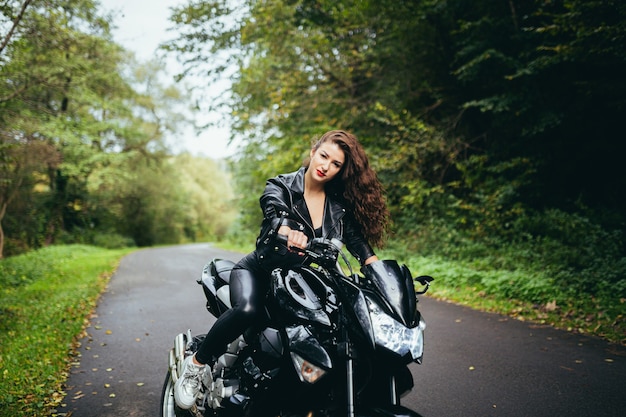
column 306, row 370
column 394, row 336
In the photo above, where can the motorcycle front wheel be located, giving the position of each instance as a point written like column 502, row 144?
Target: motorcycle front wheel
column 168, row 404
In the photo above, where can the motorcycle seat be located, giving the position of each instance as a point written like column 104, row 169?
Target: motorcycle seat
column 222, row 268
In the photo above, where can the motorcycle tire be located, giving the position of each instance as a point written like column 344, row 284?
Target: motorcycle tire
column 168, row 404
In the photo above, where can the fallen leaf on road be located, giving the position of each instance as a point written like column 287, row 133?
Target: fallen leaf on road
column 551, row 306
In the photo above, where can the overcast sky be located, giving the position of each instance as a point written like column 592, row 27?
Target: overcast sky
column 141, row 27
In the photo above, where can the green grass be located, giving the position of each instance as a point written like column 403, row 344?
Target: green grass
column 45, row 303
column 523, row 294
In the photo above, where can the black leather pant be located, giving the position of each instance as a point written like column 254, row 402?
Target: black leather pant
column 249, row 283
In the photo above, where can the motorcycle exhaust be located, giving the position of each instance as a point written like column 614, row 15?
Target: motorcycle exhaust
column 172, row 365
column 179, row 351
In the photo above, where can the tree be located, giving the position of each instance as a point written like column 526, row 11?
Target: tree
column 7, row 12
column 208, row 197
column 309, row 66
column 24, row 164
column 520, row 86
column 67, row 87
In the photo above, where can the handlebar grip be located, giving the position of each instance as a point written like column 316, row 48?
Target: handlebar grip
column 283, row 240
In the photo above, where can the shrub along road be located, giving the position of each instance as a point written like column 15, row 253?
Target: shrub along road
column 476, row 364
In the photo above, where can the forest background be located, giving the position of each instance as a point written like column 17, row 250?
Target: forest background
column 496, row 128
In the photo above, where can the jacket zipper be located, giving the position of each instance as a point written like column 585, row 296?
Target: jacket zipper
column 295, row 209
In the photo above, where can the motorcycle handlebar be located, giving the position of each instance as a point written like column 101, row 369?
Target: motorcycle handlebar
column 284, row 240
column 320, row 250
column 312, row 244
column 327, row 251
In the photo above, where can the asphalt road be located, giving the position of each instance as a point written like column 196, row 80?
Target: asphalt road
column 476, row 364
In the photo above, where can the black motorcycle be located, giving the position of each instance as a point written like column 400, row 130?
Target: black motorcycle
column 334, row 343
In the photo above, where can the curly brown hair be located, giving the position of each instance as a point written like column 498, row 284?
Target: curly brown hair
column 359, row 186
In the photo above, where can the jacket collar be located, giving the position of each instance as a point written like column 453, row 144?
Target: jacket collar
column 297, row 184
column 334, row 210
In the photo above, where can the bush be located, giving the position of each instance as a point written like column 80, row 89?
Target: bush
column 112, row 241
column 577, row 257
column 107, row 240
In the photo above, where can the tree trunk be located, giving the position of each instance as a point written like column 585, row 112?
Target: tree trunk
column 16, row 22
column 3, row 210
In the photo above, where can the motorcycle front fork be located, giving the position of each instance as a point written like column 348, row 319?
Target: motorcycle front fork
column 394, row 398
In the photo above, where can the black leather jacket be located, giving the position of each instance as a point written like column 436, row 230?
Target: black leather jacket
column 283, row 202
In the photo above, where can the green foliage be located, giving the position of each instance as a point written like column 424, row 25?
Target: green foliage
column 112, row 241
column 208, row 205
column 564, row 257
column 495, row 128
column 82, row 148
column 508, row 292
column 45, row 299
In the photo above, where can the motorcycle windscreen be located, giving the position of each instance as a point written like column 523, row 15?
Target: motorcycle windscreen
column 395, row 284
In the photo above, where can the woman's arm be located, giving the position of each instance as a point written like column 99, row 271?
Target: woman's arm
column 370, row 260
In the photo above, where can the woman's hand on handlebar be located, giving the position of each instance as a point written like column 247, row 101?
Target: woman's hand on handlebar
column 295, row 238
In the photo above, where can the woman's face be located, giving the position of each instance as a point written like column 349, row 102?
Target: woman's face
column 326, row 162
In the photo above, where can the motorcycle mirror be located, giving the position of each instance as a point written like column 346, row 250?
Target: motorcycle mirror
column 424, row 279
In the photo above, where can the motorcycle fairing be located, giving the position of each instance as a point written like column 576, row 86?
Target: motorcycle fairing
column 392, row 335
column 375, row 321
column 395, row 284
column 303, row 295
column 271, row 342
column 302, row 342
column 358, row 304
column 215, row 275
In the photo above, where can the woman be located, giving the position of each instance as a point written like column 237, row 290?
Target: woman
column 334, row 195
